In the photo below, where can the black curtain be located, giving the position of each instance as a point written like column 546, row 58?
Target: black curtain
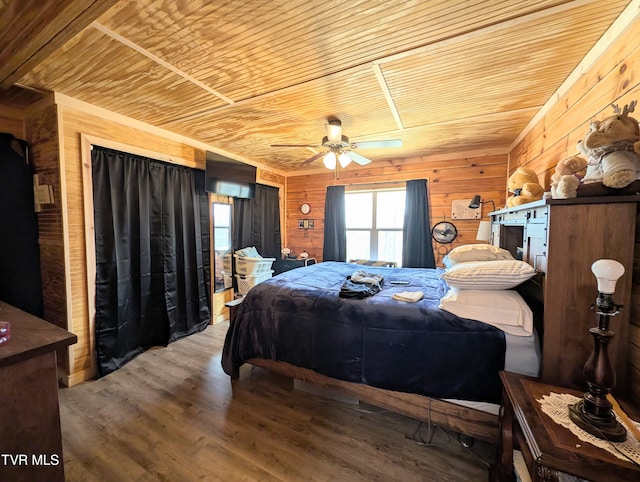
column 151, row 276
column 335, row 225
column 256, row 222
column 417, row 248
column 20, row 278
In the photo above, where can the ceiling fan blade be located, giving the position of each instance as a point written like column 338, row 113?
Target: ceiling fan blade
column 376, row 144
column 313, row 158
column 317, row 146
column 357, row 158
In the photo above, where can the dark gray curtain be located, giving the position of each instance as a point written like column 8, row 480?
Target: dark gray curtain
column 417, row 249
column 20, row 278
column 256, row 222
column 335, row 225
column 152, row 268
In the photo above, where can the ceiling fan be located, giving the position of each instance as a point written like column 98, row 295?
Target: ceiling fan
column 339, row 149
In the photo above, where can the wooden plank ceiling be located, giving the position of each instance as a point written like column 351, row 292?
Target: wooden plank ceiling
column 242, row 75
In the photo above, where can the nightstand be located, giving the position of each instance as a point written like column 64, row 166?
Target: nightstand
column 550, row 451
column 286, row 264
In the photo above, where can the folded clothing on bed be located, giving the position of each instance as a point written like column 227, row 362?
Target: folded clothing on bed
column 360, row 276
column 410, row 296
column 361, row 285
column 349, row 289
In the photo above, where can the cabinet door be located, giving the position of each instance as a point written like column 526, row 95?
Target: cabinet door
column 535, row 246
column 495, row 234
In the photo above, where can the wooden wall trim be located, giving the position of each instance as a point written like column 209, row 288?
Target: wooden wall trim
column 64, row 378
column 90, row 244
column 626, row 18
column 128, row 148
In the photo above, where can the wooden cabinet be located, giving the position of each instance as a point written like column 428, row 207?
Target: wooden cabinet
column 30, row 435
column 561, row 238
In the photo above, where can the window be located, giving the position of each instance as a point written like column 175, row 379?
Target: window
column 374, row 224
column 221, row 245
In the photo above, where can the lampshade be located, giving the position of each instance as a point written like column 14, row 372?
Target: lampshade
column 330, row 160
column 484, row 231
column 607, row 272
column 475, row 202
column 344, row 159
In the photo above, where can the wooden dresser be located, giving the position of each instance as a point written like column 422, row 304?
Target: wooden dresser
column 561, row 238
column 30, row 435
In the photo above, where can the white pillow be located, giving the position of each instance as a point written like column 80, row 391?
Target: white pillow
column 504, row 309
column 488, row 275
column 475, row 252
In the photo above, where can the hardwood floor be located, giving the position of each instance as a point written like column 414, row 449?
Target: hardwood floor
column 172, row 414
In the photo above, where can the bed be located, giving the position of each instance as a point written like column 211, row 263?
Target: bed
column 410, row 357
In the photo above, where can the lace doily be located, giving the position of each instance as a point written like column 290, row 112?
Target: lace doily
column 556, row 405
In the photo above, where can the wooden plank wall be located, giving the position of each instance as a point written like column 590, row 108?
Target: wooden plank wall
column 11, row 124
column 450, row 178
column 612, row 79
column 42, row 135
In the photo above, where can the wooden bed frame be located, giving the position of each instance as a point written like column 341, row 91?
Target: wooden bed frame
column 465, row 420
column 468, row 421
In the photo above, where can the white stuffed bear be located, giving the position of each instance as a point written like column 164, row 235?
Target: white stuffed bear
column 609, row 147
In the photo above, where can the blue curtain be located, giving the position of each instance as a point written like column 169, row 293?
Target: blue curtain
column 417, row 248
column 335, row 225
column 20, row 278
column 256, row 222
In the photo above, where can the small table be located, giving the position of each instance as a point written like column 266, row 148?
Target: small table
column 548, row 448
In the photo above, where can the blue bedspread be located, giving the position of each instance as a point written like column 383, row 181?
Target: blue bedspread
column 297, row 317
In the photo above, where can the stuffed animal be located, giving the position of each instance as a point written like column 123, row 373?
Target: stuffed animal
column 609, row 147
column 567, row 178
column 524, row 186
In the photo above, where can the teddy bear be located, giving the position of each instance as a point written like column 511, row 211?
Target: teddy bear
column 567, row 177
column 524, row 186
column 610, row 147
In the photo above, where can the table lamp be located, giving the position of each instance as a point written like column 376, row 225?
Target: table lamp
column 484, row 231
column 594, row 413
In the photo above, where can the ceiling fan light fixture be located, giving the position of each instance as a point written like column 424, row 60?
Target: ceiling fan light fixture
column 344, row 159
column 334, row 133
column 330, row 160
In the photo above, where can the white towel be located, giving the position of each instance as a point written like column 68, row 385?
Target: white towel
column 410, row 296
